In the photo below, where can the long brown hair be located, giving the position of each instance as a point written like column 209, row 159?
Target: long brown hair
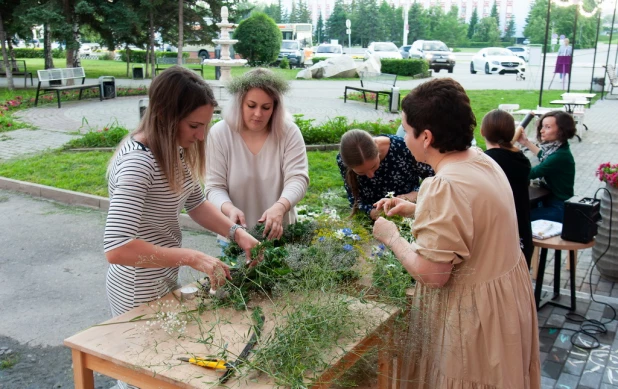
column 498, row 127
column 356, row 147
column 173, row 95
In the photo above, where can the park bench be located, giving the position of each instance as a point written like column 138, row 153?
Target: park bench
column 18, row 68
column 56, row 80
column 194, row 64
column 378, row 83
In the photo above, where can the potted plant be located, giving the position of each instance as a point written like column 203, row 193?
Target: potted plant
column 606, row 245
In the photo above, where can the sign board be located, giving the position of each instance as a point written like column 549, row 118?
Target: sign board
column 554, row 41
column 348, row 23
column 334, row 41
column 348, row 31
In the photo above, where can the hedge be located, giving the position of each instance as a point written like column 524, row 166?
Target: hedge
column 404, row 67
column 482, row 45
column 318, row 59
column 139, row 56
column 23, row 52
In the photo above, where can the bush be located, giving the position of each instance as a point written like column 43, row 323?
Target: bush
column 318, row 59
column 107, row 56
column 109, row 136
column 404, row 67
column 482, row 45
column 331, row 131
column 259, row 39
column 22, row 52
column 284, row 64
column 139, row 56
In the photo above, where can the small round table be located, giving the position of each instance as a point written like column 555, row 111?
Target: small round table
column 558, row 244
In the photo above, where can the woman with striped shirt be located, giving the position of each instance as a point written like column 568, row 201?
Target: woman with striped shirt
column 156, row 172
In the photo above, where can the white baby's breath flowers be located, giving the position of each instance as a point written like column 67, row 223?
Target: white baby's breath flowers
column 169, row 317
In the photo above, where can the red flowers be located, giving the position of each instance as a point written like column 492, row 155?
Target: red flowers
column 608, row 173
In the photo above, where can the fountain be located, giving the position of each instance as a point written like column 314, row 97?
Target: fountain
column 225, row 62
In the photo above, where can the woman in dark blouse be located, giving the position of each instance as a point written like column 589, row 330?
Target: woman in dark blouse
column 372, row 167
column 498, row 129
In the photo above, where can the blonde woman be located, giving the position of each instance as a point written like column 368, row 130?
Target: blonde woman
column 257, row 169
column 155, row 173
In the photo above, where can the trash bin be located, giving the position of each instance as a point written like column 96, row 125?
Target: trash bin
column 598, row 84
column 108, row 87
column 142, row 104
column 138, row 72
column 394, row 100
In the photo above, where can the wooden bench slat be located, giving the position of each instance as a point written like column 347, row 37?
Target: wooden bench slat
column 387, row 80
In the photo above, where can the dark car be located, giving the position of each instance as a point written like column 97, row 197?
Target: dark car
column 437, row 54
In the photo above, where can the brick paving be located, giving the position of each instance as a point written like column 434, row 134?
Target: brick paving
column 564, row 365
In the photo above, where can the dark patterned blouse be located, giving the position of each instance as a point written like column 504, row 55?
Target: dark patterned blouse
column 398, row 172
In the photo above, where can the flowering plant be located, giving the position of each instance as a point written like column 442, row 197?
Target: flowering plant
column 608, row 173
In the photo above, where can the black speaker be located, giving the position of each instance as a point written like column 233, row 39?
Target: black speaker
column 581, row 215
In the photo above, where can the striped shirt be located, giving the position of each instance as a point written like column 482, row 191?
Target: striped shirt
column 143, row 206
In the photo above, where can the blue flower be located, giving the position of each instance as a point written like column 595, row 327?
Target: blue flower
column 348, row 247
column 356, row 237
column 321, row 239
column 347, row 231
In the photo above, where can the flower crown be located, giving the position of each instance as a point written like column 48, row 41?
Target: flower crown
column 258, row 78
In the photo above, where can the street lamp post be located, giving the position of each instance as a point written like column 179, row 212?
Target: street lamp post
column 348, row 30
column 406, row 27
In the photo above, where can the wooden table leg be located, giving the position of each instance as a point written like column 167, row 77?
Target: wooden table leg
column 385, row 359
column 83, row 377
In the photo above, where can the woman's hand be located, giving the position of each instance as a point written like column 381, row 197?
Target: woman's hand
column 411, row 197
column 216, row 270
column 385, row 231
column 247, row 242
column 396, row 206
column 273, row 221
column 237, row 216
column 522, row 138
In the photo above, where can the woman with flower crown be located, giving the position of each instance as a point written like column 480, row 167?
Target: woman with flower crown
column 256, row 167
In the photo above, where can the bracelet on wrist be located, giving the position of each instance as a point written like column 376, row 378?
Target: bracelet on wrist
column 285, row 207
column 232, row 233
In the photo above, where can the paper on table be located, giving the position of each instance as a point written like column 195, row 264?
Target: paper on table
column 543, row 229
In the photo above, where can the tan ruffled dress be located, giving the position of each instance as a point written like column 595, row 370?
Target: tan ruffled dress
column 480, row 329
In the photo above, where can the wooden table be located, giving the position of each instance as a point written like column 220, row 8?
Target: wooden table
column 556, row 243
column 124, row 350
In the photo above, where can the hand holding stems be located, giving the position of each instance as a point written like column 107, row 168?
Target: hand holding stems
column 247, row 242
column 396, row 206
column 524, row 141
column 273, row 219
column 236, row 215
column 216, row 270
column 385, row 231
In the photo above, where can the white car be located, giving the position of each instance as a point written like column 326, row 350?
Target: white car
column 328, row 51
column 520, row 51
column 383, row 50
column 497, row 60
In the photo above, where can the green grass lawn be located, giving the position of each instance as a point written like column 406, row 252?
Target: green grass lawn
column 85, row 172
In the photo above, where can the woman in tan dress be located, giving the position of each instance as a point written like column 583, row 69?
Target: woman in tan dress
column 473, row 323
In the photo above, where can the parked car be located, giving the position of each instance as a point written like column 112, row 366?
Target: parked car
column 328, row 51
column 293, row 51
column 437, row 54
column 383, row 50
column 497, row 60
column 526, row 41
column 407, row 52
column 520, row 51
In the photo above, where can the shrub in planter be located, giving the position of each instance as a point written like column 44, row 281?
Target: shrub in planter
column 404, row 67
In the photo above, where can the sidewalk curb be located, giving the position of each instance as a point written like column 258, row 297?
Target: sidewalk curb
column 70, row 197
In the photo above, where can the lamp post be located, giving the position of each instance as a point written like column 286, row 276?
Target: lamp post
column 577, row 5
column 348, row 30
column 545, row 51
column 406, row 27
column 609, row 45
column 596, row 43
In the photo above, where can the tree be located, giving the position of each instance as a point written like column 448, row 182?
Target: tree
column 181, row 6
column 494, row 14
column 303, row 15
column 259, row 39
column 416, row 22
column 274, row 11
column 509, row 33
column 368, row 24
column 474, row 19
column 450, row 28
column 293, row 13
column 318, row 36
column 5, row 56
column 335, row 25
column 487, row 31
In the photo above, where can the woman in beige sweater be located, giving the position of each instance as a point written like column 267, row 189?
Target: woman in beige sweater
column 256, row 168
